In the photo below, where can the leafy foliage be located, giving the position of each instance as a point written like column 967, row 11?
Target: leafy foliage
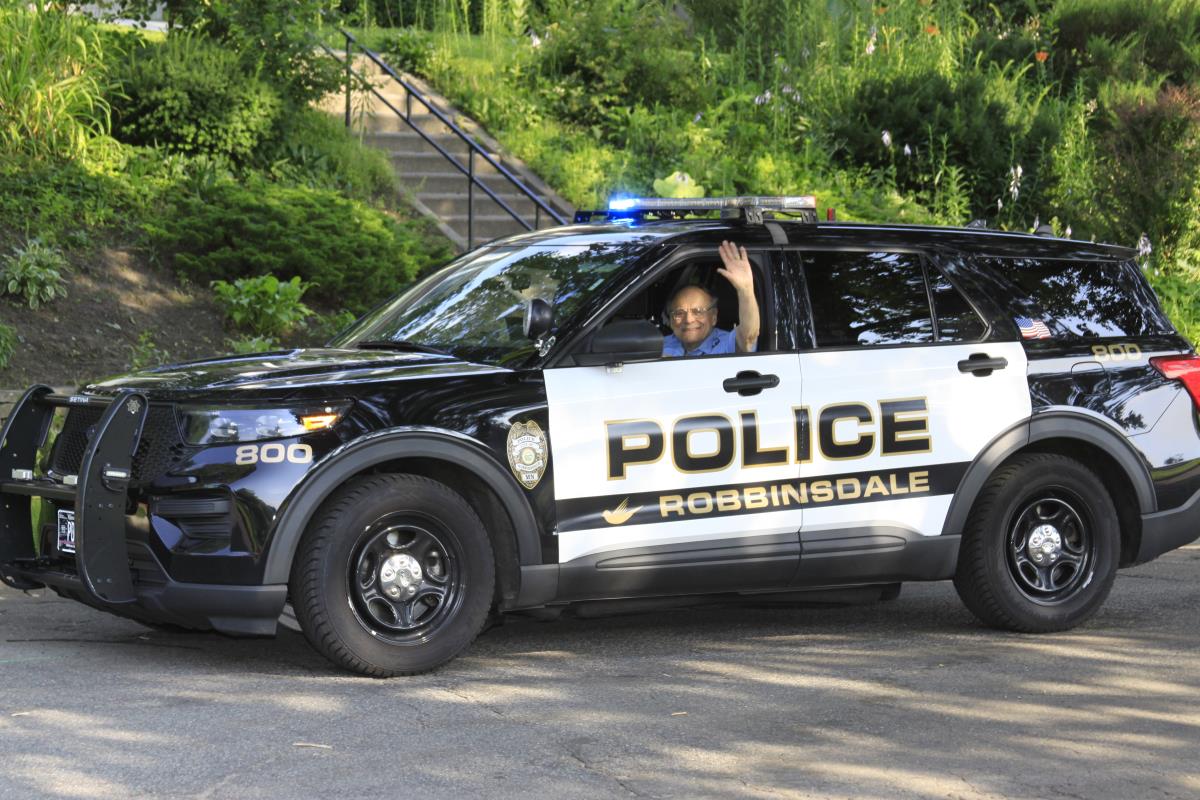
column 244, row 345
column 190, row 96
column 146, row 352
column 353, row 255
column 51, row 84
column 310, row 148
column 272, row 39
column 598, row 59
column 409, row 49
column 264, row 306
column 34, row 273
column 8, row 344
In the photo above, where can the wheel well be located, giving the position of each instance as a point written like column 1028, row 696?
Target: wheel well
column 1120, row 487
column 486, row 504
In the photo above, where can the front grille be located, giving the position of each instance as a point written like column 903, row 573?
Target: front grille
column 158, row 451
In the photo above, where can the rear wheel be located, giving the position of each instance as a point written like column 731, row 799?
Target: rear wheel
column 394, row 576
column 1041, row 546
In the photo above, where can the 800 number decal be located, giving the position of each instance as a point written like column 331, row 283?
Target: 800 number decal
column 274, row 453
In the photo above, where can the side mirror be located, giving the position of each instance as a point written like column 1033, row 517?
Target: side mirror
column 539, row 318
column 621, row 341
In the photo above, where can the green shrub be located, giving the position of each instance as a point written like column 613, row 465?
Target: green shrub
column 312, row 148
column 51, row 92
column 272, row 38
column 146, row 352
column 1147, row 153
column 599, row 59
column 34, row 273
column 320, row 328
column 8, row 344
column 981, row 122
column 354, row 255
column 410, row 50
column 264, row 305
column 190, row 96
column 245, row 345
column 1128, row 38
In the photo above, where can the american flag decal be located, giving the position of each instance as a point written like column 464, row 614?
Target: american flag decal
column 1032, row 328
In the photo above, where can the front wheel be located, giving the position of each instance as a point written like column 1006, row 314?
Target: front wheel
column 394, row 576
column 1041, row 546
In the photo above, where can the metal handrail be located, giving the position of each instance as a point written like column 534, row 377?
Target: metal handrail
column 473, row 147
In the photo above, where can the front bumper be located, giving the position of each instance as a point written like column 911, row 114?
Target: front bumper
column 107, row 571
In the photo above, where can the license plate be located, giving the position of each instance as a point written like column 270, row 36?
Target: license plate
column 66, row 531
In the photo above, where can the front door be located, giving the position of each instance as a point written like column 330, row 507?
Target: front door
column 676, row 475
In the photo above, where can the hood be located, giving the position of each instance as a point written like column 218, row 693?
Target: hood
column 286, row 370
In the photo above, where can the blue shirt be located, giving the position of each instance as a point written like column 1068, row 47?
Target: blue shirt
column 718, row 343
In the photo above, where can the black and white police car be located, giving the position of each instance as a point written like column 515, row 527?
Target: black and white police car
column 1013, row 412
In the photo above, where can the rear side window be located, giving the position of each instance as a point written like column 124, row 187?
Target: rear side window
column 867, row 299
column 1076, row 298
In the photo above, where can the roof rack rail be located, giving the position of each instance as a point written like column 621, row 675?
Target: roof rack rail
column 748, row 208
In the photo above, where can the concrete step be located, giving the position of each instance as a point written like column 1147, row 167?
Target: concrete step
column 486, row 227
column 446, row 204
column 437, row 186
column 427, row 161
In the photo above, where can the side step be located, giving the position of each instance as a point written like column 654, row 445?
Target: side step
column 98, row 498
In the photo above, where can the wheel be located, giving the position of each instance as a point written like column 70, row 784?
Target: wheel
column 394, row 576
column 1040, row 549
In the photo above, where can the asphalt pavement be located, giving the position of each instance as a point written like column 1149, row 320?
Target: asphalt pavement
column 908, row 698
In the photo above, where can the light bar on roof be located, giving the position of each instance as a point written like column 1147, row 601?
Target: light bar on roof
column 790, row 203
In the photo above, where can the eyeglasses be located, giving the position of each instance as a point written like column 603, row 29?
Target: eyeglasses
column 680, row 314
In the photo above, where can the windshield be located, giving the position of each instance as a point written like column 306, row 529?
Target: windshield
column 475, row 307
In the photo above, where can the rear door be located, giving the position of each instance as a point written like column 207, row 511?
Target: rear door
column 903, row 388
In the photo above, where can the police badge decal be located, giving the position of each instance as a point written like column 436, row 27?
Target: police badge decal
column 527, row 452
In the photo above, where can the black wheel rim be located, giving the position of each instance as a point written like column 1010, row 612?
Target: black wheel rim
column 405, row 577
column 1051, row 547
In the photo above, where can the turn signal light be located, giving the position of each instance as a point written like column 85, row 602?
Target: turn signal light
column 318, row 422
column 1185, row 369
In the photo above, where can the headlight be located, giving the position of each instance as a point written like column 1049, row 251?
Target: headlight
column 221, row 424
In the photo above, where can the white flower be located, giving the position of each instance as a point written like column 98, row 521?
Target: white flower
column 760, row 100
column 1143, row 246
column 870, row 48
column 907, row 150
column 534, row 40
column 1014, row 183
column 1067, row 232
column 887, row 139
column 999, row 203
column 698, row 117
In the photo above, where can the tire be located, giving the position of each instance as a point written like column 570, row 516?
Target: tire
column 394, row 576
column 1040, row 549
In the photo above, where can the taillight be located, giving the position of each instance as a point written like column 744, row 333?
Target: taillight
column 1185, row 369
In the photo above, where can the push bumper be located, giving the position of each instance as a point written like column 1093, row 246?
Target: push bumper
column 107, row 571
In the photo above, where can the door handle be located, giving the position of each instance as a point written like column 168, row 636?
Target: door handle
column 748, row 382
column 981, row 364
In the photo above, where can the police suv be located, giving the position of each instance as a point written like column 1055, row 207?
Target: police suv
column 1013, row 412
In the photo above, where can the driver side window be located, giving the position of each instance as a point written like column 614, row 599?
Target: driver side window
column 653, row 302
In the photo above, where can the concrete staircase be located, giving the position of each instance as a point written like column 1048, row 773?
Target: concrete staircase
column 433, row 184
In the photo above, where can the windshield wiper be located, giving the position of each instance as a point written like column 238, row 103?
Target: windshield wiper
column 402, row 346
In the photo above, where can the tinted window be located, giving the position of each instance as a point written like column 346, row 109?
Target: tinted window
column 957, row 321
column 475, row 306
column 867, row 299
column 1082, row 298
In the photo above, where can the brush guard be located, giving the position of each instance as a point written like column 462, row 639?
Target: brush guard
column 99, row 497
